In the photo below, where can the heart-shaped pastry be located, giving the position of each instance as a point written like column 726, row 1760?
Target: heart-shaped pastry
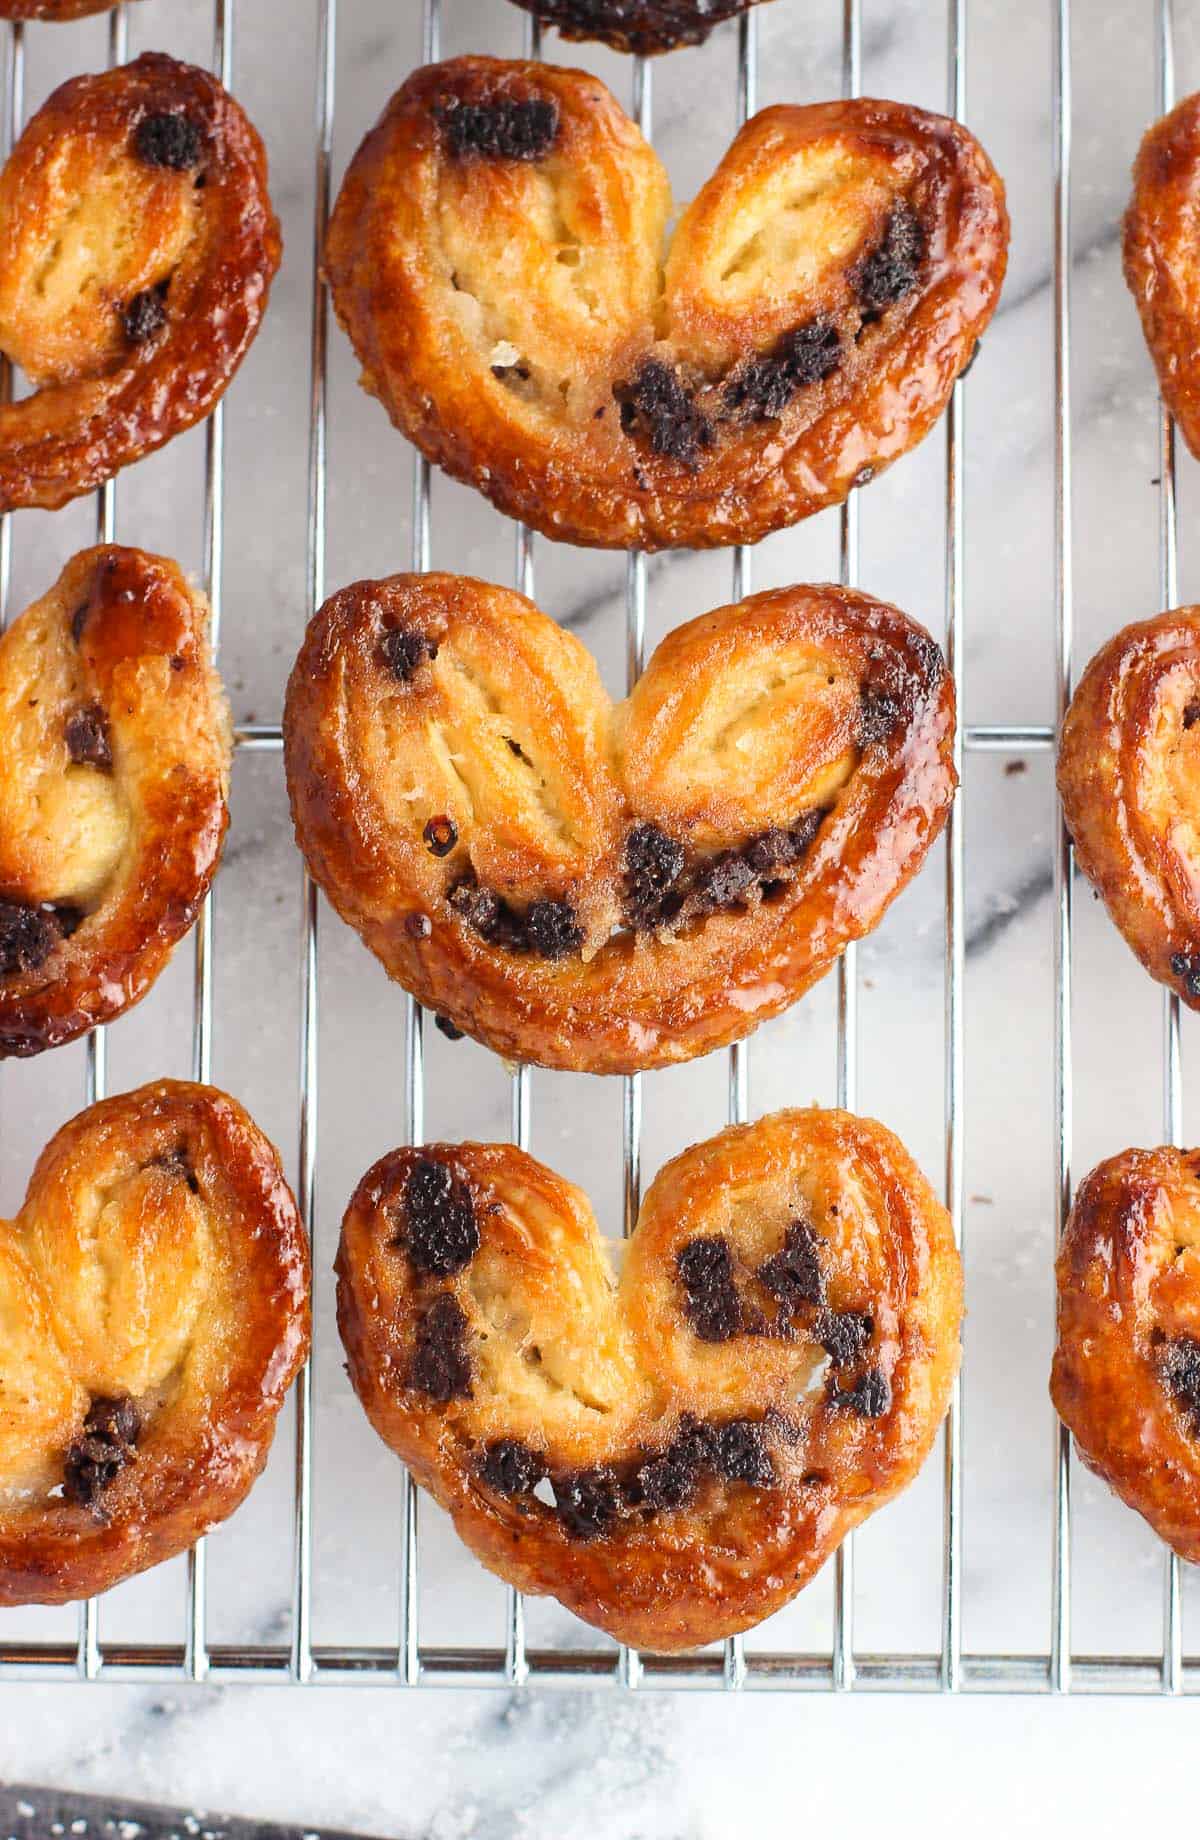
column 114, row 769
column 1129, row 777
column 154, row 1309
column 497, row 257
column 641, row 26
column 1162, row 269
column 137, row 247
column 1126, row 1375
column 674, row 1455
column 606, row 888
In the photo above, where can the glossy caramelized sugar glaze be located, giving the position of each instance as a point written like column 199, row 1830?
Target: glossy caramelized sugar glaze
column 137, row 246
column 154, row 1309
column 53, row 9
column 1129, row 776
column 496, row 256
column 605, row 888
column 1162, row 267
column 641, row 26
column 675, row 1455
column 1126, row 1375
column 115, row 750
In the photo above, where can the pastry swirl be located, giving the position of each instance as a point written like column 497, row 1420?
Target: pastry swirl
column 1162, row 270
column 154, row 1299
column 115, row 750
column 496, row 256
column 641, row 26
column 606, row 888
column 137, row 248
column 1129, row 778
column 1126, row 1374
column 772, row 1366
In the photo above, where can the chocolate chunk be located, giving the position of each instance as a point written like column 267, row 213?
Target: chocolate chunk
column 1191, row 714
column 740, row 1453
column 879, row 713
column 108, row 1442
column 440, row 1364
column 891, row 271
column 658, row 407
column 144, row 315
column 844, row 1335
column 1185, row 965
column 87, row 738
column 762, row 388
column 440, row 1233
column 547, row 928
column 1179, row 1366
column 671, row 1479
column 588, row 1502
column 440, row 834
column 504, row 129
column 653, row 864
column 178, row 1163
column 29, row 932
column 484, row 911
column 704, row 1267
column 552, row 929
column 722, row 881
column 168, row 140
column 511, row 1468
column 794, row 1274
column 79, row 620
column 870, row 1397
column 445, row 1027
column 405, row 649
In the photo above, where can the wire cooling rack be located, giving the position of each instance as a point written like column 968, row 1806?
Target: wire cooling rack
column 409, row 1661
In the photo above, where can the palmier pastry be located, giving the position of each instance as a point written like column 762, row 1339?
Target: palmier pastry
column 115, row 749
column 154, row 1301
column 1126, row 1375
column 1129, row 776
column 137, row 246
column 1161, row 265
column 604, row 888
column 641, row 26
column 496, row 256
column 672, row 1456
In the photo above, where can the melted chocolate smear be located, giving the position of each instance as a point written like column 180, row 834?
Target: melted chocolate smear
column 704, row 1268
column 653, row 864
column 145, row 315
column 1179, row 1367
column 892, row 270
column 870, row 1397
column 657, row 408
column 794, row 1275
column 502, row 130
column 29, row 932
column 547, row 929
column 87, row 738
column 440, row 1232
column 761, row 389
column 441, row 1365
column 168, row 140
column 108, row 1442
column 511, row 1467
column 405, row 650
column 1186, row 966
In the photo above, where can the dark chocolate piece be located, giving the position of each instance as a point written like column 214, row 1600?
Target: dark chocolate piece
column 168, row 140
column 1179, row 1366
column 870, row 1397
column 740, row 1452
column 405, row 649
column 445, row 1027
column 511, row 1467
column 653, row 864
column 845, row 1335
column 441, row 1365
column 794, row 1275
column 87, row 740
column 440, row 1233
column 704, row 1267
column 107, row 1443
column 503, row 129
column 1185, row 965
column 761, row 389
column 658, row 408
column 30, row 930
column 588, row 1502
column 144, row 315
column 891, row 271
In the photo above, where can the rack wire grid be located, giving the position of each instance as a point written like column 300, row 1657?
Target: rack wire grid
column 290, row 1650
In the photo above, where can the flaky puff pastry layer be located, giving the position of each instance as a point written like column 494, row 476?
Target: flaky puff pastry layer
column 497, row 257
column 154, row 1309
column 137, row 247
column 673, row 1455
column 115, row 751
column 1126, row 1374
column 643, row 27
column 1129, row 778
column 605, row 887
column 1162, row 268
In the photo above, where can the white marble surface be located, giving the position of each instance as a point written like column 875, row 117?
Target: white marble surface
column 451, row 1764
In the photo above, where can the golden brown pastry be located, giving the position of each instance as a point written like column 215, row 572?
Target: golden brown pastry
column 605, row 888
column 1129, row 776
column 641, row 26
column 1162, row 266
column 675, row 1455
column 115, row 749
column 497, row 258
column 1126, row 1375
column 137, row 247
column 154, row 1309
column 53, row 9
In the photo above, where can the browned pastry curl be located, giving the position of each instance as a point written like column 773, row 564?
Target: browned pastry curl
column 154, row 1309
column 1162, row 268
column 1126, row 1375
column 605, row 888
column 137, row 247
column 672, row 1456
column 496, row 256
column 115, row 750
column 1129, row 776
column 641, row 26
